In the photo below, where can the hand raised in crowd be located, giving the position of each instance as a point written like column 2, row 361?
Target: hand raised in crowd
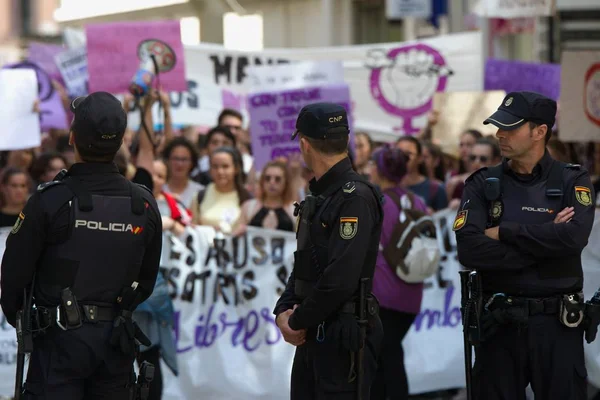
column 565, row 215
column 36, row 106
column 296, row 338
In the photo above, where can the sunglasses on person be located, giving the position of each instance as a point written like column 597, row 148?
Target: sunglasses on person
column 474, row 157
column 274, row 178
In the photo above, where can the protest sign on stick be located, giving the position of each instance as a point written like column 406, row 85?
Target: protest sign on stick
column 72, row 64
column 513, row 76
column 116, row 49
column 20, row 124
column 273, row 118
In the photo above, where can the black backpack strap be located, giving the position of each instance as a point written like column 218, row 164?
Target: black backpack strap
column 137, row 199
column 84, row 198
column 554, row 184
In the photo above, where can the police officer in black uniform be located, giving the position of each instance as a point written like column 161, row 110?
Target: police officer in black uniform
column 522, row 226
column 91, row 242
column 327, row 309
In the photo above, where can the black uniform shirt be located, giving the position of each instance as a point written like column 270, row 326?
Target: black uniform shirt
column 521, row 244
column 348, row 253
column 46, row 221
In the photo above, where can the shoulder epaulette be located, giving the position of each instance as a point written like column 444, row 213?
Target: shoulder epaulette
column 573, row 166
column 480, row 170
column 349, row 188
column 145, row 187
column 43, row 186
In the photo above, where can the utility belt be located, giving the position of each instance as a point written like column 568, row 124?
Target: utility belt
column 43, row 318
column 569, row 308
column 352, row 307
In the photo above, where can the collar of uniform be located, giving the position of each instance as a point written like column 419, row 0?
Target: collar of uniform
column 318, row 186
column 542, row 166
column 93, row 168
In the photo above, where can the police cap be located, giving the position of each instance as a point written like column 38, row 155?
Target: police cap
column 99, row 123
column 322, row 121
column 517, row 108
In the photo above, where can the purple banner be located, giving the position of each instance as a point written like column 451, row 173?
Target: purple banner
column 513, row 76
column 273, row 118
column 42, row 54
column 52, row 112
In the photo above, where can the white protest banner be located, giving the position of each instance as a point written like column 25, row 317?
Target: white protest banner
column 514, row 8
column 293, row 76
column 579, row 115
column 72, row 65
column 228, row 344
column 20, row 123
column 398, row 9
column 391, row 84
column 199, row 105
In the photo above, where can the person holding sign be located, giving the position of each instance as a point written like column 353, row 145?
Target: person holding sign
column 521, row 228
column 327, row 308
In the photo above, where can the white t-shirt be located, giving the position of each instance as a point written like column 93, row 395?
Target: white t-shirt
column 188, row 194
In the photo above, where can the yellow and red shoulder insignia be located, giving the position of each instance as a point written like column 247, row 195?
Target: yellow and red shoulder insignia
column 460, row 220
column 583, row 195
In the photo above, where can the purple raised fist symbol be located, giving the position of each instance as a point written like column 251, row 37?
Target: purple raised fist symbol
column 404, row 80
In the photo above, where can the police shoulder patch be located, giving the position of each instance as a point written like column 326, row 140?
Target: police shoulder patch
column 349, row 187
column 583, row 195
column 18, row 223
column 43, row 186
column 460, row 220
column 348, row 227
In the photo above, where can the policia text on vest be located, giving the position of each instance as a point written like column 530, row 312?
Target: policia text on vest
column 521, row 230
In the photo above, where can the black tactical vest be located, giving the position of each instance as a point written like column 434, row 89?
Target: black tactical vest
column 536, row 203
column 103, row 253
column 312, row 255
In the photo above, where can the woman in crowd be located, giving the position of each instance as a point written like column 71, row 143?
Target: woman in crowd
column 21, row 159
column 219, row 205
column 467, row 141
column 219, row 136
column 415, row 179
column 400, row 302
column 434, row 162
column 181, row 159
column 273, row 209
column 15, row 192
column 47, row 166
column 484, row 153
column 363, row 150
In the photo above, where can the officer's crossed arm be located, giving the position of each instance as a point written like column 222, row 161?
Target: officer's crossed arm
column 557, row 239
column 475, row 249
column 348, row 247
column 24, row 246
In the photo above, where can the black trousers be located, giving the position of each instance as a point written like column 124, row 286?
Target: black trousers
column 544, row 353
column 152, row 355
column 391, row 381
column 78, row 364
column 321, row 371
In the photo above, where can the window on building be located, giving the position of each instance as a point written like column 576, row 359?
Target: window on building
column 243, row 32
column 190, row 30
